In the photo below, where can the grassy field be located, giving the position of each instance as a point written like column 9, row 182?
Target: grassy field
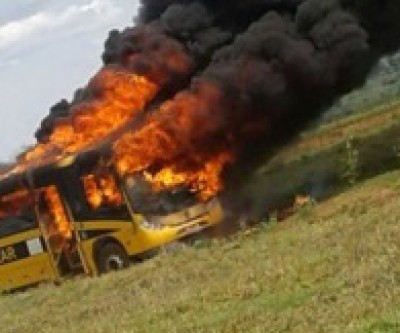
column 333, row 267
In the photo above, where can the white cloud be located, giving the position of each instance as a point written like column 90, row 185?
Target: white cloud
column 46, row 21
column 15, row 30
column 47, row 50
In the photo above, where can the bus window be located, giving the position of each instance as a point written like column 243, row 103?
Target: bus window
column 104, row 200
column 17, row 213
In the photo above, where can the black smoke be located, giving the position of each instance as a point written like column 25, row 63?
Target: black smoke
column 288, row 61
column 57, row 111
column 277, row 63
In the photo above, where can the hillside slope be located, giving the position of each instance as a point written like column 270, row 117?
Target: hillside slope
column 334, row 267
column 324, row 161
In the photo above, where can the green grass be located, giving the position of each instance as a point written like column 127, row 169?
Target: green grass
column 334, row 267
column 318, row 162
column 360, row 126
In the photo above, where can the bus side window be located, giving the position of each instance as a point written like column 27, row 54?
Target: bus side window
column 16, row 213
column 104, row 200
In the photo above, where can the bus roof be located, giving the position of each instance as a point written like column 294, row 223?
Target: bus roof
column 46, row 174
column 12, row 183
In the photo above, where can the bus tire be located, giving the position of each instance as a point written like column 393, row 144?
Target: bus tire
column 111, row 257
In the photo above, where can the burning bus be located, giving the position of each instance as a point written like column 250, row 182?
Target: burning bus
column 182, row 101
column 78, row 215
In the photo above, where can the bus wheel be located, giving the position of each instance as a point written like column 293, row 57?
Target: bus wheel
column 111, row 257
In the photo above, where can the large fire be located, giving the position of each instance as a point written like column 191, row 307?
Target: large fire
column 167, row 149
column 121, row 96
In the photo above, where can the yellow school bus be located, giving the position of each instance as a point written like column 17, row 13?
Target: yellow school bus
column 79, row 216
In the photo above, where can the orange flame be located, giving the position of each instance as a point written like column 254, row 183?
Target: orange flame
column 206, row 181
column 59, row 220
column 167, row 142
column 122, row 96
column 101, row 191
column 172, row 147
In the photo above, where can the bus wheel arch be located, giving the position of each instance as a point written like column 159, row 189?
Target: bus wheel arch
column 109, row 255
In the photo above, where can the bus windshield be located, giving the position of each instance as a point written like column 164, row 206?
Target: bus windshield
column 144, row 200
column 17, row 213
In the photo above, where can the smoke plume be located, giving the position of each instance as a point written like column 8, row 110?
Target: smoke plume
column 239, row 77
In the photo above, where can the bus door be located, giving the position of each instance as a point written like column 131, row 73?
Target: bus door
column 59, row 232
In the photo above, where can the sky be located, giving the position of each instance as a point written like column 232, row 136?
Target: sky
column 48, row 49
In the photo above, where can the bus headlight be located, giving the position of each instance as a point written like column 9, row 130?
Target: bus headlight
column 151, row 225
